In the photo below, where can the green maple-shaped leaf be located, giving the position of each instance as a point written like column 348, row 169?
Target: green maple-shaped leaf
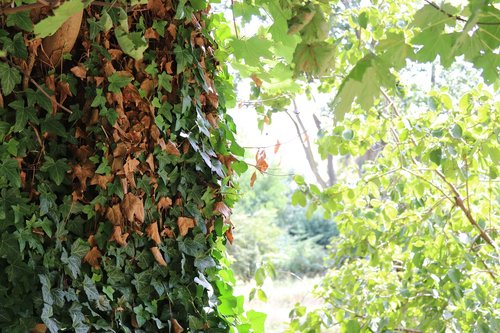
column 394, row 50
column 362, row 85
column 252, row 50
column 314, row 58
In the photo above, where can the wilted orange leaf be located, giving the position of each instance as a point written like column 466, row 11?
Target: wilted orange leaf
column 171, row 148
column 79, row 71
column 114, row 215
column 177, row 327
column 118, row 237
column 260, row 158
column 229, row 235
column 213, row 99
column 102, row 180
column 277, row 146
column 185, row 223
column 256, row 80
column 158, row 256
column 39, row 328
column 92, row 257
column 253, row 179
column 164, row 203
column 129, row 168
column 83, row 172
column 152, row 232
column 167, row 232
column 133, row 208
column 223, row 209
column 150, row 33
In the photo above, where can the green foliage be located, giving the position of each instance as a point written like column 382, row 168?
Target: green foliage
column 418, row 232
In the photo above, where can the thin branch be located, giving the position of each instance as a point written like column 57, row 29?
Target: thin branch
column 39, row 87
column 234, row 20
column 460, row 203
column 457, row 17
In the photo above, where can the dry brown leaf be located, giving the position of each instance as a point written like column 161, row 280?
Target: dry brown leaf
column 115, row 54
column 256, row 80
column 158, row 256
column 148, row 87
column 164, row 203
column 108, row 68
column 102, row 180
column 277, row 146
column 167, row 232
column 92, row 257
column 253, row 179
column 98, row 80
column 223, row 209
column 150, row 33
column 158, row 8
column 118, row 237
column 79, row 71
column 212, row 120
column 64, row 91
column 168, row 67
column 133, row 208
column 177, row 327
column 267, row 120
column 51, row 84
column 114, row 215
column 91, row 240
column 150, row 160
column 229, row 235
column 213, row 98
column 172, row 30
column 152, row 232
column 260, row 159
column 172, row 149
column 129, row 168
column 83, row 172
column 184, row 224
column 39, row 328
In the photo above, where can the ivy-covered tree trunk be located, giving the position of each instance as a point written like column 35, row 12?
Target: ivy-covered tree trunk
column 115, row 168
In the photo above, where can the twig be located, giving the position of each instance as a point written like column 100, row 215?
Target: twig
column 39, row 87
column 457, row 17
column 234, row 20
column 460, row 203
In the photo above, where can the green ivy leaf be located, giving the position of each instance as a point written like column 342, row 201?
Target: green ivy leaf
column 116, row 82
column 90, row 289
column 9, row 77
column 10, row 170
column 164, row 80
column 21, row 20
column 183, row 58
column 56, row 169
column 134, row 44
